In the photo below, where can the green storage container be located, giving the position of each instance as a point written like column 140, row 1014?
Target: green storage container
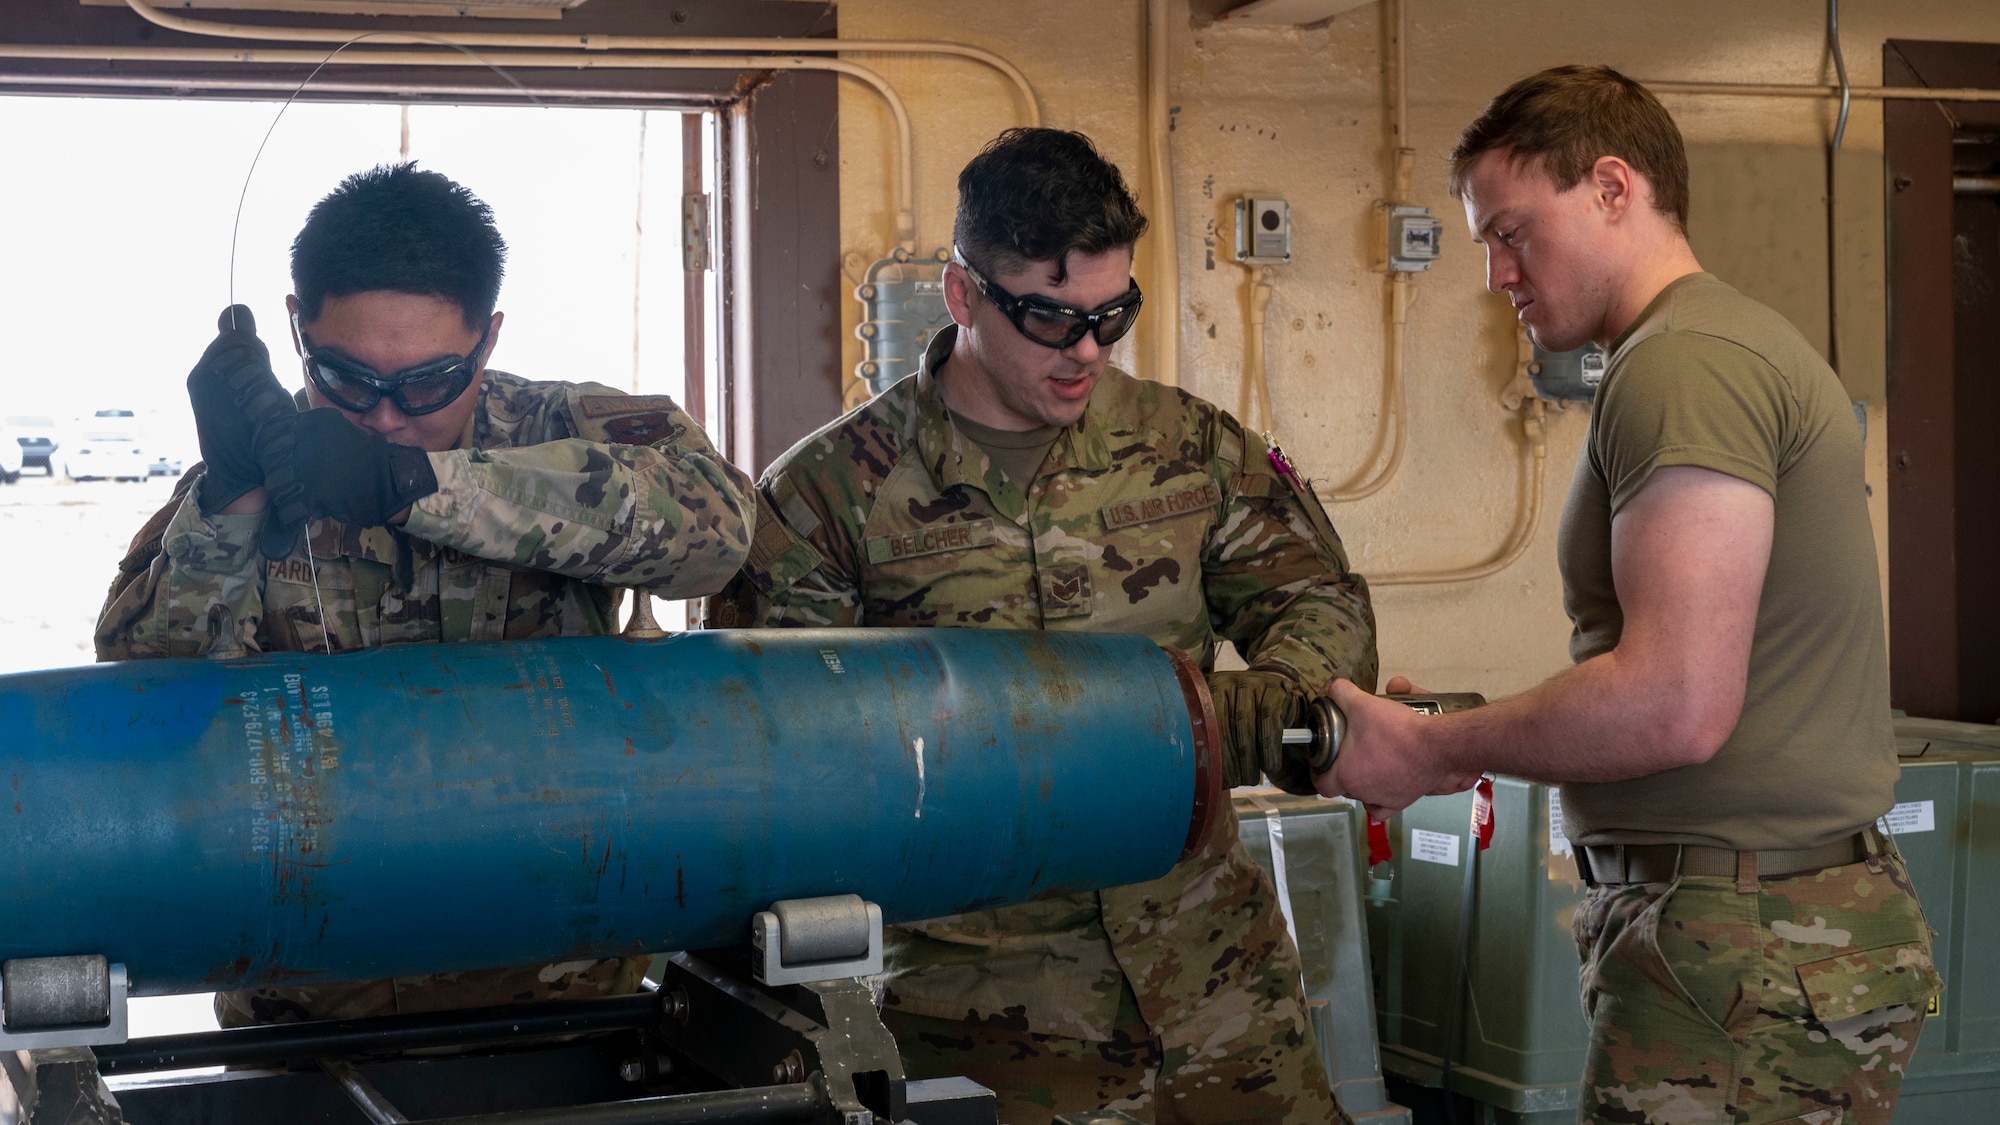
column 1947, row 824
column 1314, row 850
column 1522, row 1035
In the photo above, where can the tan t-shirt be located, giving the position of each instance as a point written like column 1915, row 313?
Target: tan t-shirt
column 1710, row 378
column 1018, row 453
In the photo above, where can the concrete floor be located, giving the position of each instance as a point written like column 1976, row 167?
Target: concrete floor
column 60, row 542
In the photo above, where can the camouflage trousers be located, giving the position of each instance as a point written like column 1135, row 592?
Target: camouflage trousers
column 1796, row 1002
column 1161, row 1080
column 436, row 992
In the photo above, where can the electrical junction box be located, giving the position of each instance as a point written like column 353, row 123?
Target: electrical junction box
column 1416, row 239
column 1263, row 230
column 902, row 307
column 1571, row 376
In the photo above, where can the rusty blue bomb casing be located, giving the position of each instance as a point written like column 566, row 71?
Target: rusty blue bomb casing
column 292, row 818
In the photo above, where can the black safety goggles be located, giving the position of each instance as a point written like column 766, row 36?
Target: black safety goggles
column 1053, row 324
column 418, row 390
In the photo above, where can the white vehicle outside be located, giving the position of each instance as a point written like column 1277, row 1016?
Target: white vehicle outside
column 91, row 456
column 35, row 434
column 10, row 454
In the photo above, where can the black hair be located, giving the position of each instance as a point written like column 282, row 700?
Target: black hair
column 396, row 228
column 1036, row 195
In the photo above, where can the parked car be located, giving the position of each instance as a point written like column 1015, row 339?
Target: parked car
column 10, row 455
column 91, row 457
column 35, row 434
column 165, row 466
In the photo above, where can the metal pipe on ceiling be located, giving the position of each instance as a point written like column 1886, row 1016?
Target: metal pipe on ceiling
column 1785, row 90
column 384, row 89
column 609, row 43
column 1160, row 153
column 903, row 188
column 1392, row 429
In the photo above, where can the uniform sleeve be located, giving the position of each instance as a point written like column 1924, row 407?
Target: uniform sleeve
column 805, row 570
column 196, row 589
column 785, row 581
column 1276, row 577
column 1684, row 398
column 670, row 514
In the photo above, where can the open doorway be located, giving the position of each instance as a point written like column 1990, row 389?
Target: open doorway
column 119, row 258
column 118, row 254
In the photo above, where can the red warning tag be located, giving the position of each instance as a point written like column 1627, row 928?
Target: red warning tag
column 1482, row 812
column 1379, row 850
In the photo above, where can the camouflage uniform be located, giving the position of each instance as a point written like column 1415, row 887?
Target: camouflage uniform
column 1702, row 1000
column 1155, row 514
column 556, row 498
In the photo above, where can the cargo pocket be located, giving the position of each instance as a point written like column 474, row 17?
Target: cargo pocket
column 1850, row 984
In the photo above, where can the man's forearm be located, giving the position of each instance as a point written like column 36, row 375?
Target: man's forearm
column 1596, row 721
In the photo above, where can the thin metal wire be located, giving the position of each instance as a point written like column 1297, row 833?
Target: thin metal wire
column 236, row 227
column 1833, row 356
column 1839, row 68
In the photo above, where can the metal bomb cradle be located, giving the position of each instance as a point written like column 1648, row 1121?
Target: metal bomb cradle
column 772, row 796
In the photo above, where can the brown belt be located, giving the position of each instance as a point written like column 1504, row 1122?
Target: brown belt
column 1661, row 863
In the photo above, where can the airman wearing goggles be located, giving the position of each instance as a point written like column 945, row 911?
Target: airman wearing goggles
column 416, row 391
column 414, row 494
column 1019, row 480
column 1054, row 324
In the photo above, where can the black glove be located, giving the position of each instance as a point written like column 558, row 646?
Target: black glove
column 1253, row 709
column 338, row 469
column 234, row 394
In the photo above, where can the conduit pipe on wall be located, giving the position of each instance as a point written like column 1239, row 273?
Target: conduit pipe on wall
column 903, row 188
column 1782, row 90
column 610, row 43
column 1833, row 187
column 1517, row 395
column 1528, row 516
column 1394, row 427
column 386, row 89
column 1392, row 431
column 904, row 184
column 1255, row 377
column 1167, row 251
